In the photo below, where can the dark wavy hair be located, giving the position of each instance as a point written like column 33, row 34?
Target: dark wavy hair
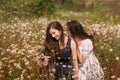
column 76, row 30
column 50, row 42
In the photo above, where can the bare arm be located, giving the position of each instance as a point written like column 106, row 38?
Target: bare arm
column 87, row 47
column 81, row 57
column 74, row 57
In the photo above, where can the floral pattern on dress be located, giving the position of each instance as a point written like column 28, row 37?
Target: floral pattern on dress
column 90, row 69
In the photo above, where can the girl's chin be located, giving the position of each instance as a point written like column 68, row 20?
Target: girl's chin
column 57, row 38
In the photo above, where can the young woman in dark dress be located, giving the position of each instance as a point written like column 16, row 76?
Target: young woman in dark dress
column 60, row 52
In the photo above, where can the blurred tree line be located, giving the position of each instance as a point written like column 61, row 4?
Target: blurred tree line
column 9, row 8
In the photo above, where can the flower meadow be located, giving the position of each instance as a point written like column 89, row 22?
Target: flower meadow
column 21, row 42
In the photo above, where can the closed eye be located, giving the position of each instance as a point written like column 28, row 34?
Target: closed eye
column 53, row 32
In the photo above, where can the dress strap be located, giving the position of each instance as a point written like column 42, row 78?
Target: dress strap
column 69, row 42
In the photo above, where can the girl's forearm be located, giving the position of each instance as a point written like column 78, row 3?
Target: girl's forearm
column 75, row 68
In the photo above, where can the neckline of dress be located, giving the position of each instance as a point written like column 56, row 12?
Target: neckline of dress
column 65, row 45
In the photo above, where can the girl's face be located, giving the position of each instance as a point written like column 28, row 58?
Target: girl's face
column 55, row 33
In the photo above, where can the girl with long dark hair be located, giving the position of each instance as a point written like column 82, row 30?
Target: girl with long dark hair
column 89, row 68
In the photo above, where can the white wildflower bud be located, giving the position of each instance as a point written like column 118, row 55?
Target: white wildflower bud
column 74, row 76
column 51, row 74
column 69, row 66
column 28, row 76
column 113, row 76
column 64, row 78
column 111, row 50
column 64, row 65
column 117, row 58
column 53, row 70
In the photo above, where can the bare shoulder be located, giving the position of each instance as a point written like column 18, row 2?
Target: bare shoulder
column 73, row 42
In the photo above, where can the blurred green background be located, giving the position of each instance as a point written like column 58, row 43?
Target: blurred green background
column 101, row 10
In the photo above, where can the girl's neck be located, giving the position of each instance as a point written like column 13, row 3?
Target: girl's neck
column 60, row 44
column 60, row 39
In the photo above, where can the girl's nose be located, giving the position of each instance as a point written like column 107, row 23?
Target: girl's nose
column 53, row 35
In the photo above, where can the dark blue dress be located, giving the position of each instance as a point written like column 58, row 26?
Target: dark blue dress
column 63, row 65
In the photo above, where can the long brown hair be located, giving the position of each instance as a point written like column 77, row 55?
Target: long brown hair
column 50, row 42
column 76, row 30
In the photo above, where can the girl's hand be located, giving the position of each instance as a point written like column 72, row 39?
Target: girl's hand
column 83, row 57
column 46, row 59
column 40, row 63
